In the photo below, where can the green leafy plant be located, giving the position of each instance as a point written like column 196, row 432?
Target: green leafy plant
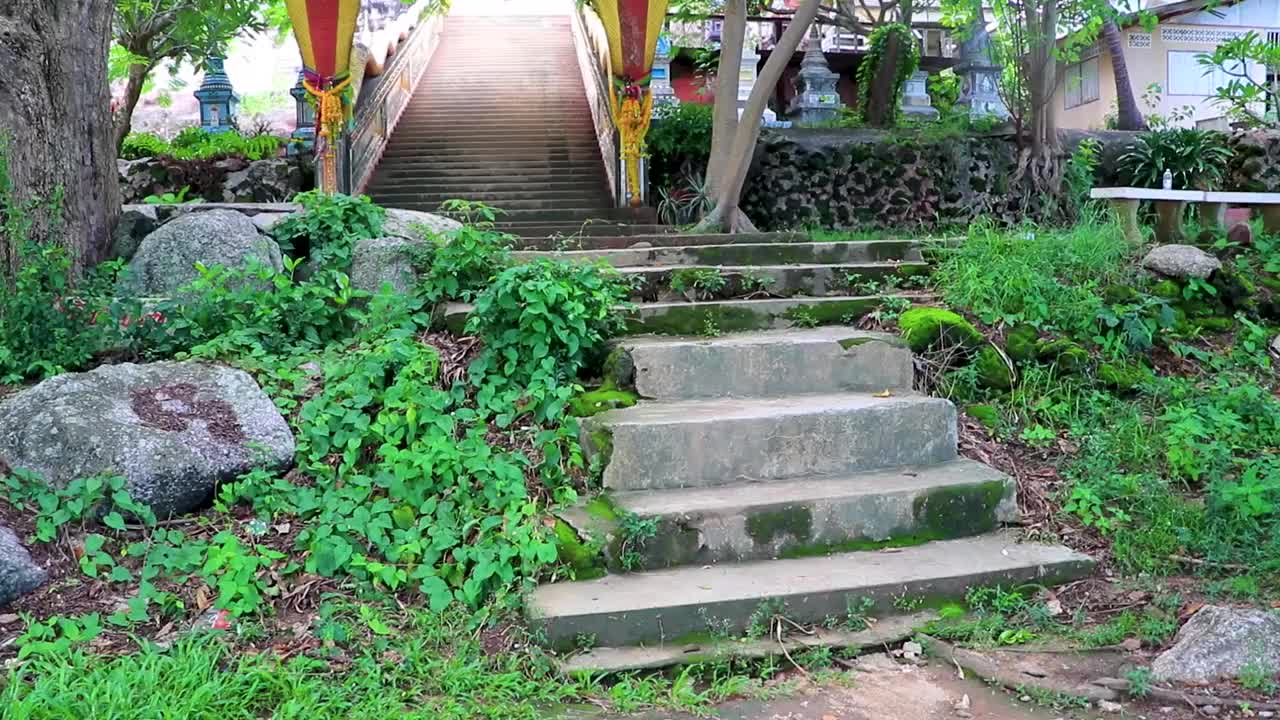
column 698, row 283
column 171, row 198
column 636, row 532
column 909, row 59
column 1196, row 158
column 461, row 263
column 685, row 203
column 678, row 142
column 328, row 226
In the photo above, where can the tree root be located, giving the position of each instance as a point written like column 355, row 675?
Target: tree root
column 983, row 667
column 1177, row 696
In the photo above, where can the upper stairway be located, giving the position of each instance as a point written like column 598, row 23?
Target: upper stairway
column 501, row 116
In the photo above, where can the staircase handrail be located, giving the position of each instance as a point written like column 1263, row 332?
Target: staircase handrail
column 592, row 44
column 379, row 107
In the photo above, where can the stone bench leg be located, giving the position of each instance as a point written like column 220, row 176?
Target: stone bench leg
column 1169, row 222
column 1126, row 212
column 1271, row 219
column 1213, row 215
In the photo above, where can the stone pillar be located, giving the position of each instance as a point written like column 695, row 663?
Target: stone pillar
column 1126, row 212
column 1169, row 222
column 915, row 97
column 979, row 76
column 218, row 100
column 1212, row 215
column 816, row 98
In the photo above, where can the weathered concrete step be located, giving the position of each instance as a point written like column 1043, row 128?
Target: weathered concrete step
column 513, row 201
column 735, row 281
column 884, row 632
column 667, row 606
column 786, row 253
column 799, row 518
column 671, row 239
column 487, row 186
column 772, row 363
column 564, row 232
column 721, row 316
column 726, row 441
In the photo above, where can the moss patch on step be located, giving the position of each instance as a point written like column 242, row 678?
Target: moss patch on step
column 584, row 557
column 768, row 525
column 594, row 402
column 959, row 511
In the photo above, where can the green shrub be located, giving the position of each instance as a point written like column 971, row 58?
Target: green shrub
column 460, row 264
column 542, row 322
column 328, row 227
column 1196, row 158
column 141, row 144
column 678, row 142
column 196, row 143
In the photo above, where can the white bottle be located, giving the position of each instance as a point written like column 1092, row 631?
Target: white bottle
column 1168, row 180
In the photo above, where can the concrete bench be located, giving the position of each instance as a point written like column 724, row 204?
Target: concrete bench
column 1211, row 208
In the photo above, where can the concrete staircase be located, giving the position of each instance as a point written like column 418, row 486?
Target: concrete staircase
column 501, row 117
column 773, row 464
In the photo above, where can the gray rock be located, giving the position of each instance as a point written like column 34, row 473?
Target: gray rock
column 166, row 259
column 135, row 223
column 18, row 574
column 414, row 225
column 1219, row 642
column 383, row 260
column 1181, row 261
column 173, row 430
column 269, row 180
column 267, row 220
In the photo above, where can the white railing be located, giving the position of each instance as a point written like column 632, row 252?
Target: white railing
column 592, row 45
column 378, row 112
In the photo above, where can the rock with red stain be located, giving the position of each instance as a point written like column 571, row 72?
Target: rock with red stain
column 173, row 430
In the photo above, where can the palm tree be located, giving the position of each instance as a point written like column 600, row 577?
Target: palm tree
column 1128, row 116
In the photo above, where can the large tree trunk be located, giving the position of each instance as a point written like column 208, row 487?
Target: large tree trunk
column 726, row 214
column 55, row 107
column 725, row 111
column 880, row 110
column 1128, row 117
column 132, row 92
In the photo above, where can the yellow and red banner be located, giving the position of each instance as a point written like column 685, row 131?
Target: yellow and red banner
column 325, row 30
column 633, row 27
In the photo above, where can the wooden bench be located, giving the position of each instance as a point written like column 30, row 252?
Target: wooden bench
column 1211, row 208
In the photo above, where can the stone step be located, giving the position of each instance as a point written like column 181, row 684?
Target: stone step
column 800, row 518
column 666, row 240
column 772, row 363
column 670, row 606
column 655, row 283
column 455, row 178
column 791, row 253
column 727, row 441
column 570, row 231
column 721, row 316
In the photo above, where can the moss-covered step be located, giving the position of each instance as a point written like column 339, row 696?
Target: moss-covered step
column 799, row 518
column 788, row 253
column 667, row 606
column 767, row 363
column 722, row 316
column 706, row 282
column 621, row 242
column 707, row 443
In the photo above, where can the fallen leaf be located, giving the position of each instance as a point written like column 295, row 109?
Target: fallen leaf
column 885, row 394
column 202, row 599
column 1131, row 644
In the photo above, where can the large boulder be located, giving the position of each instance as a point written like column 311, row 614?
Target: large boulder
column 1181, row 261
column 1220, row 642
column 414, row 225
column 174, row 430
column 263, row 181
column 166, row 259
column 390, row 259
column 18, row 574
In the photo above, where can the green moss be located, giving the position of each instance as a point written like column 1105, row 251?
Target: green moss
column 1167, row 289
column 594, row 402
column 1020, row 343
column 988, row 415
column 695, row 318
column 820, row 549
column 1122, row 376
column 959, row 511
column 600, row 446
column 583, row 557
column 1270, row 283
column 831, row 313
column 1214, row 324
column 1068, row 355
column 1119, row 294
column 853, row 342
column 992, row 370
column 601, row 507
column 618, row 371
column 1234, row 289
column 931, row 327
column 768, row 525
